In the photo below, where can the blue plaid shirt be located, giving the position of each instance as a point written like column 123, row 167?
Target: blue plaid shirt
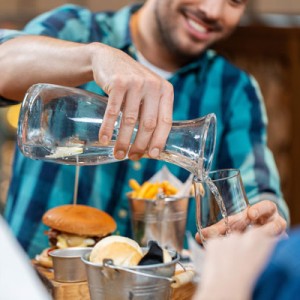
column 209, row 84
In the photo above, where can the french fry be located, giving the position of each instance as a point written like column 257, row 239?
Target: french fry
column 152, row 192
column 133, row 194
column 149, row 190
column 168, row 188
column 134, row 184
column 143, row 190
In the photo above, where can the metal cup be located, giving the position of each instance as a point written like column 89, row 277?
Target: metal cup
column 67, row 264
column 162, row 220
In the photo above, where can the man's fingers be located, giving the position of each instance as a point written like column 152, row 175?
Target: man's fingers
column 198, row 239
column 235, row 223
column 275, row 228
column 262, row 210
column 112, row 112
column 147, row 124
column 239, row 221
column 265, row 213
column 164, row 122
column 127, row 82
column 214, row 230
column 130, row 115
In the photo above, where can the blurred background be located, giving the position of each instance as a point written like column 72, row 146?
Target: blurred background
column 267, row 44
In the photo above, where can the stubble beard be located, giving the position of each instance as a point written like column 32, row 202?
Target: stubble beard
column 167, row 38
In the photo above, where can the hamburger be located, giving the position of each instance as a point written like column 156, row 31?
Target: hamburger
column 74, row 226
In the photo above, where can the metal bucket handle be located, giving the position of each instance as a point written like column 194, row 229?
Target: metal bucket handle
column 109, row 264
column 176, row 281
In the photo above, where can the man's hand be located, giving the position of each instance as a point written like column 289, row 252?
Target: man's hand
column 236, row 223
column 142, row 96
column 264, row 213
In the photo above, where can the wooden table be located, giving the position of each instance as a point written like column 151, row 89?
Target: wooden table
column 80, row 291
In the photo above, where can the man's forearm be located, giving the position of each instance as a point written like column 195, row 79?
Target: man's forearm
column 33, row 59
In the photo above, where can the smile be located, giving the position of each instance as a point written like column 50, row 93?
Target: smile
column 197, row 26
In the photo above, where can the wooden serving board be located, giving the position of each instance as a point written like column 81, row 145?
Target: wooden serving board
column 80, row 291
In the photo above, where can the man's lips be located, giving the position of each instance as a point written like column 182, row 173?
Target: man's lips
column 200, row 27
column 197, row 30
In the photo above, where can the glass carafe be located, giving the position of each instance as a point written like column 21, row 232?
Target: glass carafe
column 61, row 124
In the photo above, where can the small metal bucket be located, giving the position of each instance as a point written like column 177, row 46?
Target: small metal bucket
column 67, row 264
column 109, row 282
column 162, row 220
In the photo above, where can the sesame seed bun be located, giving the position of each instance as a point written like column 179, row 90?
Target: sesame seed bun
column 122, row 250
column 80, row 220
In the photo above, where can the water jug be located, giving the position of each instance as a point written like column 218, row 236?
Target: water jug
column 61, row 124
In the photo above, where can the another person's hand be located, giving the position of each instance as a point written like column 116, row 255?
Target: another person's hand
column 142, row 96
column 232, row 264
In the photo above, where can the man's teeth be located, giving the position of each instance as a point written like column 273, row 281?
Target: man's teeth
column 197, row 26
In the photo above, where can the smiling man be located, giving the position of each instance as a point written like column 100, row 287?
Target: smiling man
column 181, row 30
column 153, row 60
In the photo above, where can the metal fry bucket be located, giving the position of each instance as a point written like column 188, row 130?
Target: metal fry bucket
column 162, row 220
column 109, row 282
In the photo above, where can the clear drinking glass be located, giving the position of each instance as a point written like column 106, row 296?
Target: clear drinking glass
column 61, row 124
column 221, row 201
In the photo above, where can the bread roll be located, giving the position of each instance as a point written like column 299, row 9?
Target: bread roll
column 122, row 250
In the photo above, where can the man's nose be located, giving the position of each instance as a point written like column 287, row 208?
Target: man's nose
column 212, row 9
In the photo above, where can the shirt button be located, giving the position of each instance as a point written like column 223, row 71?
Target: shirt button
column 123, row 213
column 137, row 165
column 131, row 49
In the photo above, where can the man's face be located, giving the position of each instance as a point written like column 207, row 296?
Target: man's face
column 187, row 27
